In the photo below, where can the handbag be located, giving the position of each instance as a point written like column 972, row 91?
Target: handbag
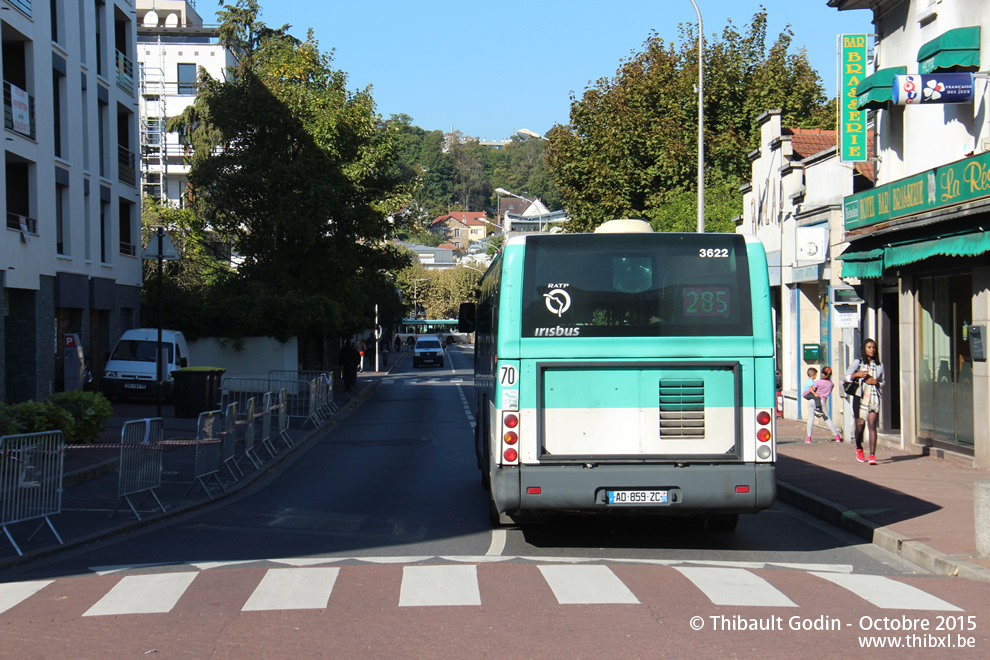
column 851, row 388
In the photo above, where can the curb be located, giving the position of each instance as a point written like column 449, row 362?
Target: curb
column 919, row 554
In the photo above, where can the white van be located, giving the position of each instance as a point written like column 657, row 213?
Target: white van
column 132, row 369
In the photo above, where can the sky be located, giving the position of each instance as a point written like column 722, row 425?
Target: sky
column 488, row 69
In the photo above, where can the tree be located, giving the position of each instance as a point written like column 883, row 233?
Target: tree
column 631, row 147
column 439, row 292
column 300, row 175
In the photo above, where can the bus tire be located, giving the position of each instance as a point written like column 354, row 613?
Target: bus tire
column 723, row 522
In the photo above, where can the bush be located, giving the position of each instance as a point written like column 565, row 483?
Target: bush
column 80, row 416
column 90, row 412
column 34, row 417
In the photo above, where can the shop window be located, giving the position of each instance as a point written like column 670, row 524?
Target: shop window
column 945, row 364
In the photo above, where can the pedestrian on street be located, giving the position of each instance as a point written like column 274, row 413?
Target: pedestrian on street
column 348, row 360
column 821, row 388
column 384, row 350
column 361, row 348
column 867, row 372
column 398, row 343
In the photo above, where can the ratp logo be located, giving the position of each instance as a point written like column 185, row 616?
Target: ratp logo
column 558, row 301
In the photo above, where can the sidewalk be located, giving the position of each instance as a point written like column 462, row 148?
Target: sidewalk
column 918, row 507
column 90, row 478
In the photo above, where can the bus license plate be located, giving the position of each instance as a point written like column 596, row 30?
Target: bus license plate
column 637, row 497
column 135, row 386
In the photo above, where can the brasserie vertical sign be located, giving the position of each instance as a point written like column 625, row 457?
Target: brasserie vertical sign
column 852, row 121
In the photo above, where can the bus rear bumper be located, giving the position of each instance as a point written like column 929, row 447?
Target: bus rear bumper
column 691, row 489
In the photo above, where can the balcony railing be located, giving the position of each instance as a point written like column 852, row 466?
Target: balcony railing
column 14, row 222
column 23, row 5
column 128, row 249
column 125, row 73
column 126, row 170
column 8, row 113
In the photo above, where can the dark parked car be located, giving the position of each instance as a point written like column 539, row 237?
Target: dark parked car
column 428, row 351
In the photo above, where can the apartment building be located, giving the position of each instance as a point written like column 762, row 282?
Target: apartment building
column 70, row 258
column 919, row 240
column 173, row 45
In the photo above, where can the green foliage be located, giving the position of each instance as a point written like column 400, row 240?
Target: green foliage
column 301, row 176
column 439, row 291
column 34, row 417
column 631, row 149
column 451, row 172
column 90, row 412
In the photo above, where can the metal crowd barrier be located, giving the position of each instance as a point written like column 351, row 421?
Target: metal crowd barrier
column 237, row 389
column 208, row 451
column 30, row 480
column 283, row 420
column 229, row 444
column 266, row 425
column 327, row 406
column 249, row 436
column 140, row 461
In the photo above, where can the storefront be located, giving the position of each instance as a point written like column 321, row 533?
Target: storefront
column 921, row 244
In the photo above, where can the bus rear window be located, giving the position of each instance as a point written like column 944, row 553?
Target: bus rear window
column 636, row 285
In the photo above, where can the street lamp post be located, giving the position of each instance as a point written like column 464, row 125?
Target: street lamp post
column 701, row 121
column 503, row 191
column 532, row 134
column 416, row 295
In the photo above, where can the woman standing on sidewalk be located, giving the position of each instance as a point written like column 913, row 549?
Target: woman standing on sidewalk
column 822, row 388
column 866, row 400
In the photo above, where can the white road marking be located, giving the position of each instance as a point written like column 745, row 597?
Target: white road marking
column 143, row 594
column 293, row 589
column 735, row 586
column 15, row 592
column 439, row 585
column 888, row 594
column 578, row 585
column 306, row 561
column 498, row 543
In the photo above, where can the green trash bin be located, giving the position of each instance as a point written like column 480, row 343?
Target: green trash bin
column 197, row 389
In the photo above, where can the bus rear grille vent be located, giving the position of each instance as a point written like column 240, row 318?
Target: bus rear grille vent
column 682, row 408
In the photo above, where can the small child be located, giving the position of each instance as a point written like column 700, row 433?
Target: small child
column 822, row 389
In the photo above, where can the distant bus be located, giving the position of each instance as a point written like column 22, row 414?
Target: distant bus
column 445, row 329
column 626, row 372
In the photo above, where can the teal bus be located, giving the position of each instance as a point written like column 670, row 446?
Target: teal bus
column 626, row 371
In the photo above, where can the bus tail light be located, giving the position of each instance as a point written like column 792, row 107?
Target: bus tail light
column 510, row 437
column 764, row 433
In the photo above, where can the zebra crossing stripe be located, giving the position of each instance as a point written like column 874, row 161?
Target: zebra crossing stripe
column 143, row 594
column 735, row 586
column 584, row 585
column 886, row 593
column 293, row 589
column 439, row 585
column 13, row 593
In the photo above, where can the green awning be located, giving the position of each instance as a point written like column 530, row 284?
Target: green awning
column 875, row 91
column 963, row 245
column 864, row 263
column 955, row 50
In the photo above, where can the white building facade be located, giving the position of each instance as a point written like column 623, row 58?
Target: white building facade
column 173, row 44
column 70, row 259
column 793, row 203
column 918, row 241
